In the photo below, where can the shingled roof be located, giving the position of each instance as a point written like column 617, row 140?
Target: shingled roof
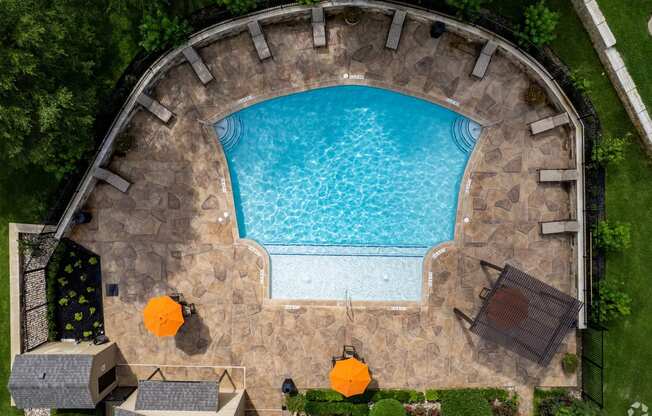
column 52, row 381
column 188, row 396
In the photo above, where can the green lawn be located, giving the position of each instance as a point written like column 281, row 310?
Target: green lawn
column 628, row 347
column 634, row 42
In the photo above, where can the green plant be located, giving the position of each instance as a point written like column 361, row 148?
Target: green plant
column 403, row 396
column 540, row 24
column 323, row 395
column 82, row 299
column 307, row 2
column 63, row 301
column 507, row 408
column 62, row 281
column 159, row 31
column 336, row 409
column 78, row 264
column 87, row 334
column 90, row 289
column 569, row 363
column 535, row 94
column 466, row 8
column 92, row 261
column 295, row 404
column 238, row 7
column 580, row 81
column 464, row 402
column 69, row 327
column 612, row 302
column 610, row 150
column 68, row 269
column 82, row 277
column 123, row 144
column 611, row 236
column 79, row 316
column 387, row 407
column 72, row 254
column 577, row 408
column 72, row 294
column 97, row 324
column 91, row 310
column 432, row 395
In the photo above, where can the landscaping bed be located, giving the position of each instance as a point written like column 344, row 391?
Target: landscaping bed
column 448, row 402
column 74, row 285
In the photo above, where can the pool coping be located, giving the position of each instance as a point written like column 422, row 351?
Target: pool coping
column 238, row 25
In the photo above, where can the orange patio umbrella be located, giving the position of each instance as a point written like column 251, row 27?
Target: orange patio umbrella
column 163, row 316
column 350, row 377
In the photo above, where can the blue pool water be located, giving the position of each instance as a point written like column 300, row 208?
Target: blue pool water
column 347, row 166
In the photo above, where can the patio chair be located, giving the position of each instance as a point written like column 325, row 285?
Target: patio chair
column 549, row 123
column 318, row 27
column 394, row 34
column 188, row 309
column 482, row 63
column 557, row 175
column 198, row 65
column 558, row 227
column 154, row 107
column 258, row 38
column 348, row 351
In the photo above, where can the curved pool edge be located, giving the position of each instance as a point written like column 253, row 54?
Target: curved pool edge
column 426, row 260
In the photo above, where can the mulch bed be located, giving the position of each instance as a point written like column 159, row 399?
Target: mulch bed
column 75, row 292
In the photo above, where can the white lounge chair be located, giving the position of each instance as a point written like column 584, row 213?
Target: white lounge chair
column 549, row 123
column 258, row 38
column 557, row 175
column 394, row 34
column 558, row 227
column 482, row 63
column 198, row 65
column 318, row 27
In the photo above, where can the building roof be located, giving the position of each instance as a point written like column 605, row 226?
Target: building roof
column 52, row 381
column 189, row 396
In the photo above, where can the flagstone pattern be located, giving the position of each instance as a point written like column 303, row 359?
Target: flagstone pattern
column 169, row 232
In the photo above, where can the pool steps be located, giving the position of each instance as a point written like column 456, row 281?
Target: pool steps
column 465, row 132
column 334, row 250
column 229, row 130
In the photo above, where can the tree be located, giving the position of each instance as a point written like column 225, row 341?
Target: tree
column 48, row 54
column 612, row 236
column 610, row 150
column 238, row 7
column 159, row 31
column 540, row 24
column 467, row 7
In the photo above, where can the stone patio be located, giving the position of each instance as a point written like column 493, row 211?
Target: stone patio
column 165, row 234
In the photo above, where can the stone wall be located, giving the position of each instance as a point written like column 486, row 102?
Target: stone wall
column 605, row 44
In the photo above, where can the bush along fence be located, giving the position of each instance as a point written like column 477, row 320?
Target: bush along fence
column 592, row 356
column 447, row 402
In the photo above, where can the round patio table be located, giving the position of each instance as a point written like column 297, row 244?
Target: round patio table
column 507, row 308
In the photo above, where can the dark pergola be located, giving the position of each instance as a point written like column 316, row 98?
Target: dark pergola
column 524, row 315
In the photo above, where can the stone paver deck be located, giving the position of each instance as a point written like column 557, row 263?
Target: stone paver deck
column 165, row 233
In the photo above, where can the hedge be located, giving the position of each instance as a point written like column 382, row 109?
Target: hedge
column 336, row 409
column 465, row 402
column 387, row 407
column 403, row 396
column 323, row 395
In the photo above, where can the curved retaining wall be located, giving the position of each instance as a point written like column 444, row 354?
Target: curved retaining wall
column 232, row 27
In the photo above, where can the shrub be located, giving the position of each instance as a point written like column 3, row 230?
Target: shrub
column 612, row 302
column 387, row 407
column 610, row 150
column 335, row 408
column 238, row 7
column 464, row 402
column 92, row 261
column 78, row 264
column 159, row 31
column 308, row 2
column 90, row 289
column 97, row 324
column 578, row 408
column 68, row 269
column 69, row 327
column 569, row 363
column 580, row 81
column 79, row 316
column 432, row 395
column 403, row 396
column 62, row 281
column 82, row 277
column 323, row 395
column 72, row 294
column 63, row 301
column 466, row 8
column 540, row 24
column 295, row 404
column 82, row 299
column 91, row 310
column 87, row 334
column 611, row 236
column 506, row 408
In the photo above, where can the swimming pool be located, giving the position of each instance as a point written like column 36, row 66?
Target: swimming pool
column 346, row 167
